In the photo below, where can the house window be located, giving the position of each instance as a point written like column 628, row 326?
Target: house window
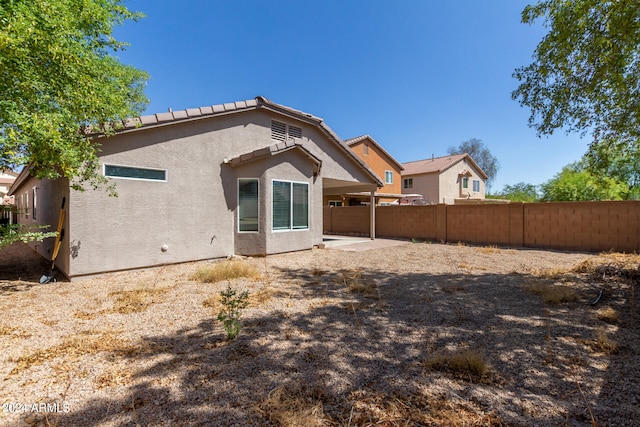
column 290, row 205
column 476, row 185
column 281, row 131
column 34, row 198
column 128, row 172
column 248, row 204
column 465, row 182
column 26, row 205
column 408, row 183
column 388, row 177
column 365, row 149
column 335, row 203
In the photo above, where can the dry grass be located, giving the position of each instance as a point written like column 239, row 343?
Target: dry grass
column 611, row 264
column 415, row 410
column 87, row 342
column 553, row 294
column 608, row 314
column 13, row 332
column 288, row 408
column 115, row 377
column 226, row 270
column 464, row 362
column 135, row 300
column 604, row 343
column 356, row 284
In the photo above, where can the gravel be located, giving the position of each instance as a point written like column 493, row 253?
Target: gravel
column 341, row 338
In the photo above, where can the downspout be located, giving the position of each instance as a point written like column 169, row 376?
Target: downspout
column 372, row 219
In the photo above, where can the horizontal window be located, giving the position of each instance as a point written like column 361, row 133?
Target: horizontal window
column 135, row 173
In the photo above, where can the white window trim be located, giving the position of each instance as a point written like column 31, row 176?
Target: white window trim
column 238, row 201
column 474, row 185
column 386, row 174
column 104, row 173
column 290, row 229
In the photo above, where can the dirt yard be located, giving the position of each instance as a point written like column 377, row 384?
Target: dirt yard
column 416, row 335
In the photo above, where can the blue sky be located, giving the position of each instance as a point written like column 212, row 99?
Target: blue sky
column 418, row 76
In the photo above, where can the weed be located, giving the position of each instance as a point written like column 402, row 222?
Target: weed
column 354, row 282
column 135, row 300
column 232, row 305
column 465, row 362
column 287, row 408
column 604, row 343
column 553, row 294
column 88, row 342
column 225, row 270
column 493, row 249
column 607, row 314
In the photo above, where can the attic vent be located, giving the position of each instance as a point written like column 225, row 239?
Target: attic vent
column 282, row 132
column 295, row 132
column 278, row 131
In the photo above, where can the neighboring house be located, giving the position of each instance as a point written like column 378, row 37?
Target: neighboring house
column 242, row 178
column 7, row 178
column 449, row 179
column 383, row 164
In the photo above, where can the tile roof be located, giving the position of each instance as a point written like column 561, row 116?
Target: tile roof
column 272, row 151
column 438, row 165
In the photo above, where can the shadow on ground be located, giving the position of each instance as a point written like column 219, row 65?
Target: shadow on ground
column 357, row 353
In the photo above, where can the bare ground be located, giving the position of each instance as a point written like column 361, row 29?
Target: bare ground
column 418, row 334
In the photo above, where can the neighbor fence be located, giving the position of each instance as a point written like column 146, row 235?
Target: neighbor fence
column 581, row 226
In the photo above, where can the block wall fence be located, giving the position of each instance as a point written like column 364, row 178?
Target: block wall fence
column 577, row 226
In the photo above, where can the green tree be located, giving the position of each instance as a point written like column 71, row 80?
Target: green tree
column 481, row 155
column 575, row 182
column 520, row 192
column 59, row 83
column 585, row 77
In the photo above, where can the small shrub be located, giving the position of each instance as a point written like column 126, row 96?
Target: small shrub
column 226, row 270
column 232, row 305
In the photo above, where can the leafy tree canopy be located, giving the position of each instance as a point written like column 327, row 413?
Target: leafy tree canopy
column 585, row 77
column 520, row 192
column 575, row 182
column 481, row 155
column 58, row 80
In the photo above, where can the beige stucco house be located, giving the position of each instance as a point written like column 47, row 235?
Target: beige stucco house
column 243, row 178
column 449, row 179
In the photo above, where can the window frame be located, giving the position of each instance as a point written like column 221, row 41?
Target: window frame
column 465, row 182
column 105, row 165
column 474, row 183
column 336, row 203
column 407, row 183
column 34, row 201
column 387, row 174
column 292, row 226
column 239, row 230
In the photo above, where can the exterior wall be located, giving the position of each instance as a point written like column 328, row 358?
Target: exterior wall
column 193, row 214
column 446, row 186
column 48, row 203
column 426, row 184
column 451, row 184
column 380, row 163
column 289, row 166
column 579, row 226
